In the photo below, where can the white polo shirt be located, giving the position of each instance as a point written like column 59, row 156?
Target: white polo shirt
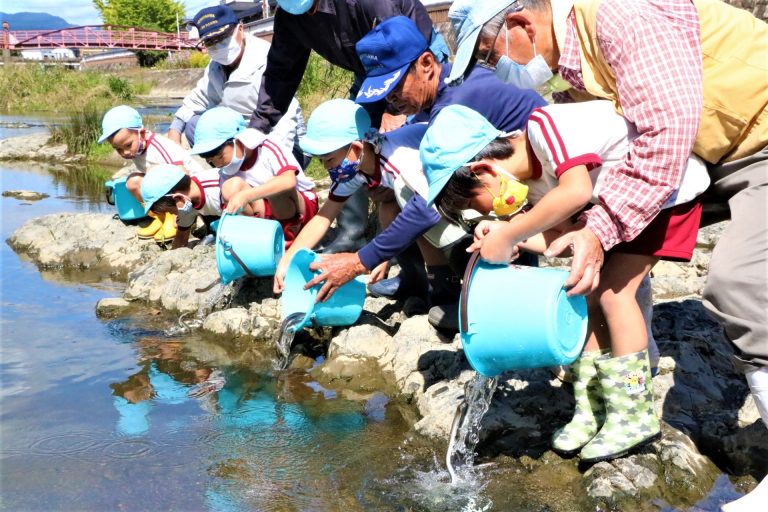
column 210, row 200
column 162, row 150
column 591, row 133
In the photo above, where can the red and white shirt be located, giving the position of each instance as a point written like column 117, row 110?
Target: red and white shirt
column 591, row 133
column 210, row 199
column 269, row 160
column 398, row 158
column 162, row 150
column 653, row 49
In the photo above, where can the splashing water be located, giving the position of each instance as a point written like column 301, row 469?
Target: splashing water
column 219, row 297
column 287, row 332
column 465, row 430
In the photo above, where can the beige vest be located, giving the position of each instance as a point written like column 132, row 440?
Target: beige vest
column 734, row 45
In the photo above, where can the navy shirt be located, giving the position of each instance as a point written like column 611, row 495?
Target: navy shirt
column 505, row 106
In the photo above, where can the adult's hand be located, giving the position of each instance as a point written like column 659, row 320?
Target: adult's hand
column 175, row 136
column 335, row 270
column 391, row 122
column 588, row 258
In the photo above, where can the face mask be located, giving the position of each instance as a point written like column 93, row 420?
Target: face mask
column 346, row 170
column 185, row 216
column 225, row 52
column 529, row 76
column 296, row 6
column 234, row 165
column 513, row 195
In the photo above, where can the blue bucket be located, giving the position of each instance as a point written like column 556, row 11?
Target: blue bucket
column 247, row 246
column 342, row 309
column 128, row 208
column 514, row 317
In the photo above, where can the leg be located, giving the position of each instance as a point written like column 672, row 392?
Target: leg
column 350, row 225
column 189, row 130
column 236, row 184
column 133, row 185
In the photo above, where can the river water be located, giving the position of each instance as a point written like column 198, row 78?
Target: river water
column 118, row 415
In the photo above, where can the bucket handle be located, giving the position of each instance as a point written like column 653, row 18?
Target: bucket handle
column 471, row 264
column 109, row 188
column 228, row 247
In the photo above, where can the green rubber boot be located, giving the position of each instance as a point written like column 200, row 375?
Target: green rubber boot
column 589, row 413
column 630, row 419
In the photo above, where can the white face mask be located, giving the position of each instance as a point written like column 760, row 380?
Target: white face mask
column 234, row 165
column 225, row 52
column 185, row 215
column 529, row 76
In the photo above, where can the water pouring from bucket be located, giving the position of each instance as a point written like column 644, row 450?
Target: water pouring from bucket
column 247, row 246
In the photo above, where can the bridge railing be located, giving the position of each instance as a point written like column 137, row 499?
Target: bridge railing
column 97, row 36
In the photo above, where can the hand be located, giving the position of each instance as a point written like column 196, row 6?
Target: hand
column 379, row 272
column 391, row 122
column 336, row 270
column 237, row 203
column 278, row 284
column 497, row 247
column 588, row 258
column 174, row 136
column 482, row 230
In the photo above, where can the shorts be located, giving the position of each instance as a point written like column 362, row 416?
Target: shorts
column 670, row 236
column 291, row 227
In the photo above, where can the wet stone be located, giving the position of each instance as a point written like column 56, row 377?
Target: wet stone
column 25, row 195
column 111, row 307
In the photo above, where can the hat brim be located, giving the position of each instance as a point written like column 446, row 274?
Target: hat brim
column 206, row 146
column 321, row 147
column 106, row 135
column 436, row 187
column 376, row 88
column 464, row 55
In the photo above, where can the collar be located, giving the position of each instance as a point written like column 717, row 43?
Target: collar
column 249, row 162
column 150, row 136
column 561, row 10
column 200, row 189
column 535, row 164
column 325, row 6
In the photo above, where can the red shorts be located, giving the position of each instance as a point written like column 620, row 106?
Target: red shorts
column 670, row 236
column 291, row 227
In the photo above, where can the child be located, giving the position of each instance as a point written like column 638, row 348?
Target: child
column 123, row 128
column 339, row 133
column 167, row 190
column 561, row 160
column 258, row 178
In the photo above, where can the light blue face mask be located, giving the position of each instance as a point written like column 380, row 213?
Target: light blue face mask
column 529, row 76
column 296, row 6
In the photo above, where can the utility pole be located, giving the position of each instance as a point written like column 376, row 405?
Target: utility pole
column 6, row 43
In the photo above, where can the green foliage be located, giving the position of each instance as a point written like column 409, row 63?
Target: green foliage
column 158, row 15
column 120, row 87
column 81, row 132
column 185, row 60
column 322, row 81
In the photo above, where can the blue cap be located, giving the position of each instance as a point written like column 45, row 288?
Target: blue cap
column 295, row 6
column 212, row 22
column 158, row 181
column 215, row 127
column 386, row 53
column 454, row 138
column 118, row 118
column 467, row 18
column 333, row 125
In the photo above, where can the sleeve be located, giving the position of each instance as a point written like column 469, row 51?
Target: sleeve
column 273, row 158
column 286, row 62
column 206, row 93
column 378, row 10
column 340, row 192
column 414, row 220
column 658, row 72
column 560, row 151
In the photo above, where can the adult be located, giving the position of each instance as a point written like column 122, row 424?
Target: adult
column 691, row 76
column 330, row 28
column 232, row 78
column 411, row 79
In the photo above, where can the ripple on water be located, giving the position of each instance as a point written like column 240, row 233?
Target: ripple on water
column 71, row 443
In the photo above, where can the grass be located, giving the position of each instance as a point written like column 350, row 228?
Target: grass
column 184, row 60
column 81, row 132
column 322, row 81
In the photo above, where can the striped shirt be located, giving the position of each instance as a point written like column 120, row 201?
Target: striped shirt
column 210, row 197
column 162, row 150
column 653, row 48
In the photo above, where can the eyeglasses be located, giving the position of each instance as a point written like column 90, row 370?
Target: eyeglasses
column 513, row 7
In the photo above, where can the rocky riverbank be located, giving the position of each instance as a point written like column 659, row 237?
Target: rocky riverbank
column 710, row 421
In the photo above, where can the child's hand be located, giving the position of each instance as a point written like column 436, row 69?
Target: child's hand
column 497, row 247
column 278, row 284
column 237, row 203
column 379, row 272
column 482, row 230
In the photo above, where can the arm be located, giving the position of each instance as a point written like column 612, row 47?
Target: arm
column 206, row 94
column 181, row 238
column 281, row 183
column 376, row 10
column 286, row 62
column 664, row 106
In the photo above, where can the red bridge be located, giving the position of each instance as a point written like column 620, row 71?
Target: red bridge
column 96, row 36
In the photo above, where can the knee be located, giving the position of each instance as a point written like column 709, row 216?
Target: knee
column 232, row 186
column 133, row 184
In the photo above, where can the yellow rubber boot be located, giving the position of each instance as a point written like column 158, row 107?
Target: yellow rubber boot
column 168, row 231
column 152, row 228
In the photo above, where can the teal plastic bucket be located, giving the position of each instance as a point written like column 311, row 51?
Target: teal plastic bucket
column 515, row 317
column 247, row 246
column 128, row 208
column 342, row 309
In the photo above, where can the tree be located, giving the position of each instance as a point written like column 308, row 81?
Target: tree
column 160, row 15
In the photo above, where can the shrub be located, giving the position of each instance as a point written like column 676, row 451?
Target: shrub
column 80, row 133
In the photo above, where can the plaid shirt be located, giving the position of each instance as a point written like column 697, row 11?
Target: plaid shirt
column 653, row 48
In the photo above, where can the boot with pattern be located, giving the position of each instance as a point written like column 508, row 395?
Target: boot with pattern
column 630, row 420
column 589, row 413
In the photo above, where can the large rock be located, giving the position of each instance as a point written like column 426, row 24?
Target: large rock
column 25, row 195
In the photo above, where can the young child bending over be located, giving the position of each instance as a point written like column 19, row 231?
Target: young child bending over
column 123, row 128
column 258, row 177
column 559, row 165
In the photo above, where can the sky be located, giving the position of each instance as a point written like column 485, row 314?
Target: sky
column 80, row 12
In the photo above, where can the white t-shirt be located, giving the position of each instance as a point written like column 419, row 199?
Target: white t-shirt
column 398, row 158
column 162, row 150
column 210, row 200
column 591, row 133
column 271, row 160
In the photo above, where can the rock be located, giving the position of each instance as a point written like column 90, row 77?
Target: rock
column 35, row 147
column 111, row 307
column 233, row 322
column 25, row 195
column 675, row 287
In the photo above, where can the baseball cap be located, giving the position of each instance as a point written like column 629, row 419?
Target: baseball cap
column 213, row 22
column 454, row 138
column 215, row 127
column 158, row 181
column 333, row 125
column 386, row 53
column 295, row 6
column 118, row 118
column 467, row 18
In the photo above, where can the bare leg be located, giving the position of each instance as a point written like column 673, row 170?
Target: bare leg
column 133, row 185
